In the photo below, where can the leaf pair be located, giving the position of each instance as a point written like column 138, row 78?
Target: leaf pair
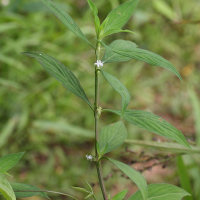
column 6, row 163
column 113, row 23
column 143, row 119
column 117, row 18
column 6, row 189
column 9, row 191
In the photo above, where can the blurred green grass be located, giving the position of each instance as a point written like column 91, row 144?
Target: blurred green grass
column 54, row 127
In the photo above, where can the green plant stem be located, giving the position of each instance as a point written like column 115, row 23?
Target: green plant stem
column 97, row 115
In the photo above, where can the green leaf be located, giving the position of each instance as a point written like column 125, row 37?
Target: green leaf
column 120, row 88
column 143, row 55
column 113, row 135
column 7, row 174
column 120, row 195
column 89, row 186
column 60, row 73
column 29, row 190
column 65, row 19
column 96, row 18
column 104, row 150
column 87, row 197
column 184, row 178
column 8, row 161
column 161, row 192
column 6, row 189
column 80, row 189
column 165, row 146
column 153, row 123
column 112, row 31
column 118, row 17
column 93, row 7
column 111, row 56
column 97, row 146
column 134, row 175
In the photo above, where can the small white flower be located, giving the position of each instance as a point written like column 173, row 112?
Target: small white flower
column 99, row 63
column 89, row 157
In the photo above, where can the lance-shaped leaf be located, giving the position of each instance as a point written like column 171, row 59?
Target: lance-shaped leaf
column 144, row 55
column 161, row 192
column 120, row 88
column 6, row 189
column 120, row 195
column 134, row 175
column 153, row 123
column 113, row 136
column 112, row 31
column 118, row 17
column 28, row 190
column 80, row 189
column 60, row 73
column 165, row 146
column 96, row 18
column 111, row 56
column 65, row 18
column 8, row 161
column 87, row 197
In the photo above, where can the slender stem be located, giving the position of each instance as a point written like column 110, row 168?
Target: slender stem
column 97, row 115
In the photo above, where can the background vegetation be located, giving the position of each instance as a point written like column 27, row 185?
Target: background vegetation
column 55, row 128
